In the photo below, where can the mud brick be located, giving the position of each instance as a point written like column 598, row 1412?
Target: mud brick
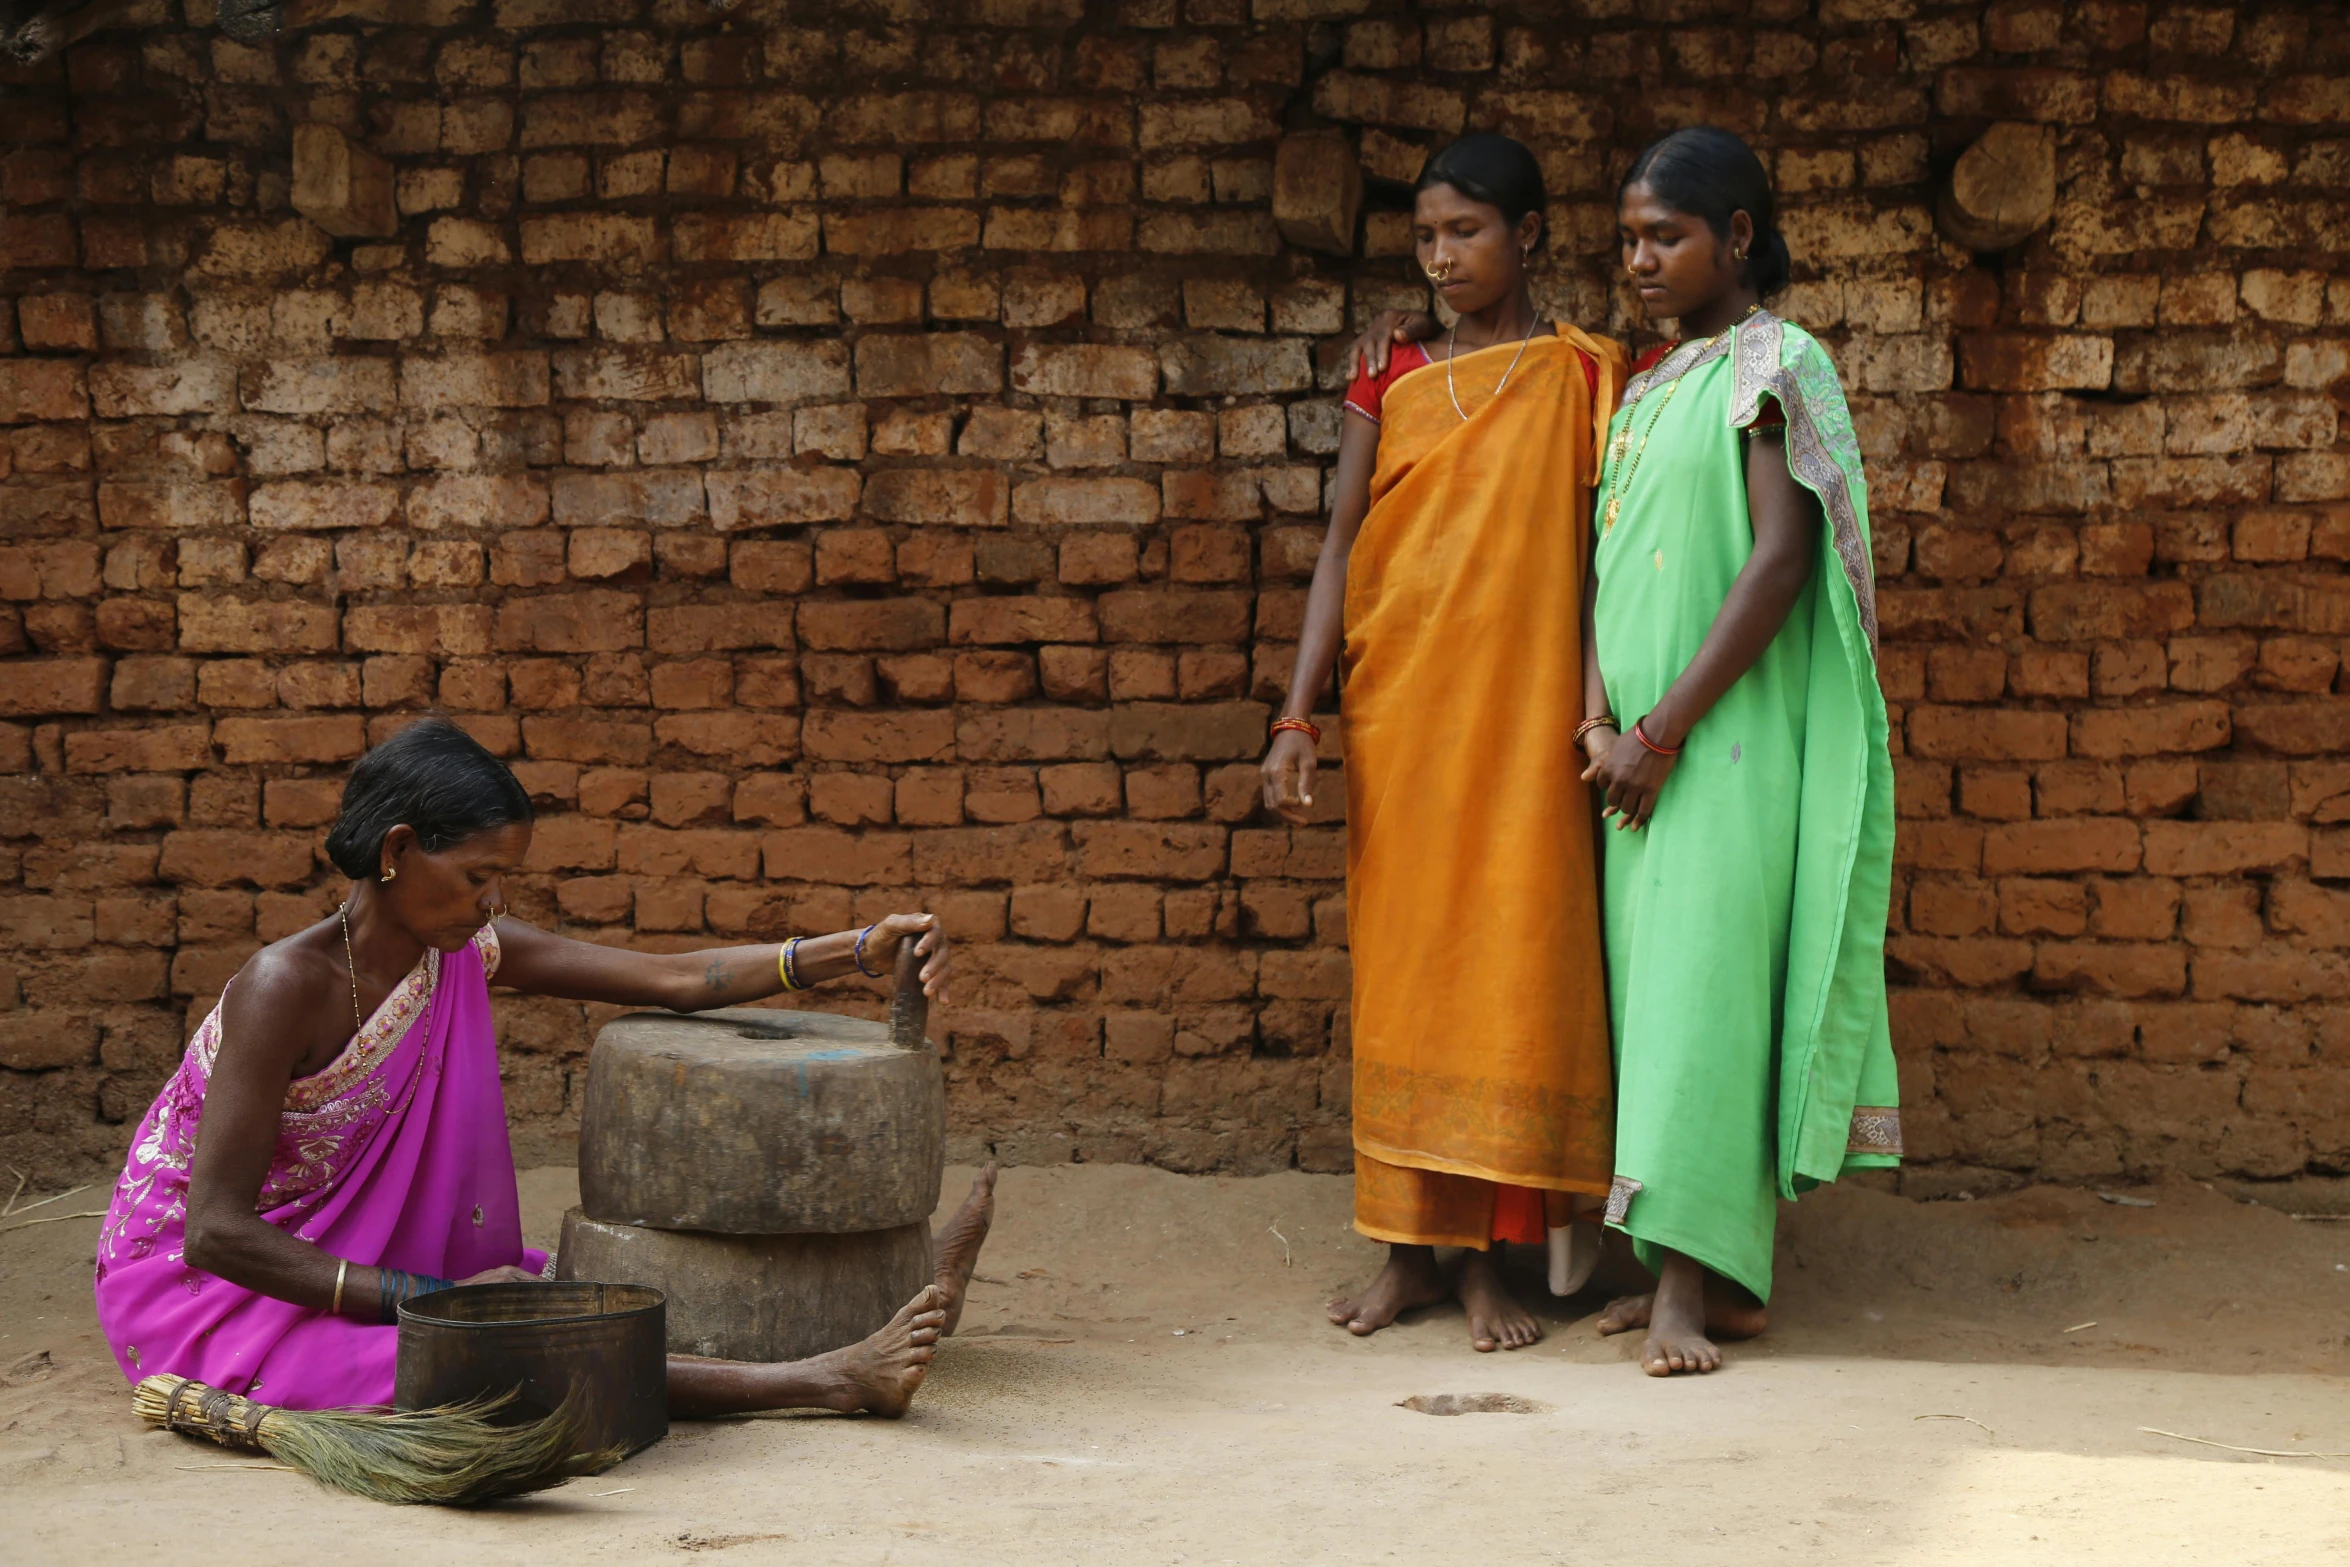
column 772, row 497
column 1097, row 559
column 467, row 500
column 219, row 858
column 929, row 797
column 698, row 628
column 2179, row 726
column 892, row 624
column 829, row 855
column 51, row 686
column 771, row 799
column 318, row 683
column 935, row 560
column 1086, row 370
column 994, row 677
column 740, row 738
column 775, row 373
column 587, row 622
column 1073, row 674
column 209, row 624
column 474, row 380
column 928, row 365
column 1060, row 502
column 1141, row 675
column 770, row 566
column 984, row 621
column 2056, row 847
column 917, row 679
column 678, row 438
column 1214, row 366
column 1175, row 615
column 831, row 735
column 968, row 497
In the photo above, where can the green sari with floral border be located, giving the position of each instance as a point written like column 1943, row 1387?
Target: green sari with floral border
column 1745, row 925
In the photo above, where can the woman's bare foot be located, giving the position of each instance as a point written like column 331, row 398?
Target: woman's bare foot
column 1496, row 1320
column 1678, row 1317
column 1729, row 1313
column 956, row 1245
column 1410, row 1279
column 879, row 1375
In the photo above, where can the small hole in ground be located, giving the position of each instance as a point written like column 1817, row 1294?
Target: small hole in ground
column 1472, row 1404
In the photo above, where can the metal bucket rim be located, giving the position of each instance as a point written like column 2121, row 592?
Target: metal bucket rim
column 411, row 1309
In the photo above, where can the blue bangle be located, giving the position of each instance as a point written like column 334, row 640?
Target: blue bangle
column 789, row 963
column 869, row 973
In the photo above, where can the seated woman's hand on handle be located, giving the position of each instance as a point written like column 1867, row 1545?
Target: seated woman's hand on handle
column 930, row 940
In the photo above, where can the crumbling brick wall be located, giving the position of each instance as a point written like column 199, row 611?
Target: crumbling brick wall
column 861, row 456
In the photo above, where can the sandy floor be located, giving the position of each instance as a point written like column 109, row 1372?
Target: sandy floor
column 1145, row 1377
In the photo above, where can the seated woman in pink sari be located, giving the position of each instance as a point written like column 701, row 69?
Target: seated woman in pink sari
column 297, row 1179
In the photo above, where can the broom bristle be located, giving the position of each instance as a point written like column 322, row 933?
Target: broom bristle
column 452, row 1456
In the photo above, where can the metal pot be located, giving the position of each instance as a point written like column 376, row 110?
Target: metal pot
column 606, row 1342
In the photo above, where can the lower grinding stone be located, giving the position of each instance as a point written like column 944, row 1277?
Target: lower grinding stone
column 756, row 1297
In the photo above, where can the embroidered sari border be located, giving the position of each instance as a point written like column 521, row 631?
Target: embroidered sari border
column 1758, row 369
column 1875, row 1129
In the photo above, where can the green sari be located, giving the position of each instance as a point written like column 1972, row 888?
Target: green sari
column 1746, row 923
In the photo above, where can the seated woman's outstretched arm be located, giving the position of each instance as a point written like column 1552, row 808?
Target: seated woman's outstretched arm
column 283, row 1013
column 541, row 963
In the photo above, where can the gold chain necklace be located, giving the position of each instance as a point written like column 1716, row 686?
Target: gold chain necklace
column 1451, row 349
column 1618, row 488
column 344, row 914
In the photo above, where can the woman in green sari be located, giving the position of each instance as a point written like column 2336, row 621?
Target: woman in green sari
column 1730, row 617
column 1732, row 620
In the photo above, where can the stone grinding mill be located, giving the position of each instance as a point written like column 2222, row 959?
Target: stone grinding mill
column 772, row 1172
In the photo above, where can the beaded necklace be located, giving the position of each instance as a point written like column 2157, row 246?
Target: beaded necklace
column 1619, row 487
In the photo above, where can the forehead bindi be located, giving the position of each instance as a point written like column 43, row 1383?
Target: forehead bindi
column 1441, row 206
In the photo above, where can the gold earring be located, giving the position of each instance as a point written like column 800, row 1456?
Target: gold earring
column 390, row 871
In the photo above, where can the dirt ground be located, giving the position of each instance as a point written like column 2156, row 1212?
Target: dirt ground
column 1145, row 1376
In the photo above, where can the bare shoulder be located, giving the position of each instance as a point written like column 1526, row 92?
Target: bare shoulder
column 276, row 995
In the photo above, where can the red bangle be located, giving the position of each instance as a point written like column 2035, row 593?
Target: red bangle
column 1300, row 725
column 1641, row 735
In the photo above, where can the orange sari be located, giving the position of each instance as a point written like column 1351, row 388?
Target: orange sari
column 1480, row 1027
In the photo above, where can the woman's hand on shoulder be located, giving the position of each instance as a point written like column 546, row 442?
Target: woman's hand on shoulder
column 1370, row 352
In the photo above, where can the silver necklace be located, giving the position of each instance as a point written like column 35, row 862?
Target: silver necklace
column 357, row 1022
column 1452, row 348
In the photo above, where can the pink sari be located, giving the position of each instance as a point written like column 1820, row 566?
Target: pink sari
column 396, row 1154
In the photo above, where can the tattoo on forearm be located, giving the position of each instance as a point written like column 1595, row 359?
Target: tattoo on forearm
column 715, row 974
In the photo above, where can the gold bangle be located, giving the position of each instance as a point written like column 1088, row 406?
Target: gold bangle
column 342, row 1267
column 787, row 964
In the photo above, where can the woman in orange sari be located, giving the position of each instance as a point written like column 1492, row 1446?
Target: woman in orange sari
column 1453, row 574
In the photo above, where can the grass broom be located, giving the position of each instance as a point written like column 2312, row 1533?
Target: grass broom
column 453, row 1456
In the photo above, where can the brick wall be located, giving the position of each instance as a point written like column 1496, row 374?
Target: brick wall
column 852, row 457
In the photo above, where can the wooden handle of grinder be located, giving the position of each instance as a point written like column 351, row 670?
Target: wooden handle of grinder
column 909, row 1009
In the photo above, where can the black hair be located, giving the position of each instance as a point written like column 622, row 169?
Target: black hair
column 431, row 776
column 1710, row 173
column 1494, row 170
